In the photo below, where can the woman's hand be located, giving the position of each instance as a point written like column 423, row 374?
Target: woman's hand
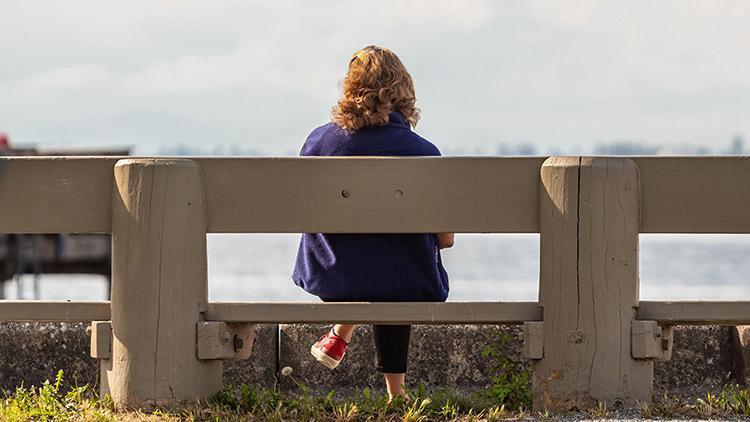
column 445, row 240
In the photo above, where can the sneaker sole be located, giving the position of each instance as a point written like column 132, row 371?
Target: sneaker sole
column 323, row 358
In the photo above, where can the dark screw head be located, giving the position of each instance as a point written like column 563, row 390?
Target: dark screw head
column 345, row 193
column 238, row 343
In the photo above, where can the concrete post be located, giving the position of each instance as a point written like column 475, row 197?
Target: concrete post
column 159, row 285
column 589, row 225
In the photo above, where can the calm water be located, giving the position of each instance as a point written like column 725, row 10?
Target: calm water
column 481, row 267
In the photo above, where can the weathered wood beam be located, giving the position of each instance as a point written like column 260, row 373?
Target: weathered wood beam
column 383, row 195
column 376, row 313
column 293, row 195
column 696, row 312
column 53, row 311
column 56, row 194
column 694, row 194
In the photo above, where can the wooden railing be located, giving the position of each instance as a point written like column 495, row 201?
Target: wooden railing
column 589, row 337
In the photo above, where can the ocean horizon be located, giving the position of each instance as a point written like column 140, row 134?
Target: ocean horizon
column 481, row 267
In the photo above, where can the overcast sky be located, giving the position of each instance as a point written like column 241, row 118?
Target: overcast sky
column 560, row 74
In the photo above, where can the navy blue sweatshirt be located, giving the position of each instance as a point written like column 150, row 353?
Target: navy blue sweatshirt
column 370, row 267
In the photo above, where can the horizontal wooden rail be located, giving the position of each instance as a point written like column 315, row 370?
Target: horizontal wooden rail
column 292, row 195
column 376, row 313
column 395, row 194
column 696, row 312
column 672, row 312
column 694, row 194
column 56, row 195
column 384, row 195
column 53, row 311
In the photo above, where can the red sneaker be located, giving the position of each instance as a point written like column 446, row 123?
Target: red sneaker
column 329, row 350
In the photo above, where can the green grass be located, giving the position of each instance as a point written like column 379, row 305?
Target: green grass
column 733, row 401
column 268, row 404
column 48, row 403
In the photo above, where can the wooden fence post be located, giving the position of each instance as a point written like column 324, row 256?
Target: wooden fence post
column 589, row 225
column 159, row 285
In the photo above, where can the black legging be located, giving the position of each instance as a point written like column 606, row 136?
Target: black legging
column 392, row 347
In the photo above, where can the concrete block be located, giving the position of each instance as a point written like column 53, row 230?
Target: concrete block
column 696, row 366
column 260, row 367
column 439, row 355
column 442, row 356
column 32, row 352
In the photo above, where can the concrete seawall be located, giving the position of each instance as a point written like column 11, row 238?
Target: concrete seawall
column 441, row 356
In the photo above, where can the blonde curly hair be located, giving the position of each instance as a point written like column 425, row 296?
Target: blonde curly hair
column 376, row 84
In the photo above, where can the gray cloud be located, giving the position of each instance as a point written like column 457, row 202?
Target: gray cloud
column 262, row 74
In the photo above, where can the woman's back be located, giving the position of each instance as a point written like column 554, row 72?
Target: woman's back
column 371, row 267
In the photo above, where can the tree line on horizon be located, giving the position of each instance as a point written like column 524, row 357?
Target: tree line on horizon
column 736, row 146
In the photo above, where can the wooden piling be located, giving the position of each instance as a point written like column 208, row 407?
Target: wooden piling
column 589, row 225
column 159, row 285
